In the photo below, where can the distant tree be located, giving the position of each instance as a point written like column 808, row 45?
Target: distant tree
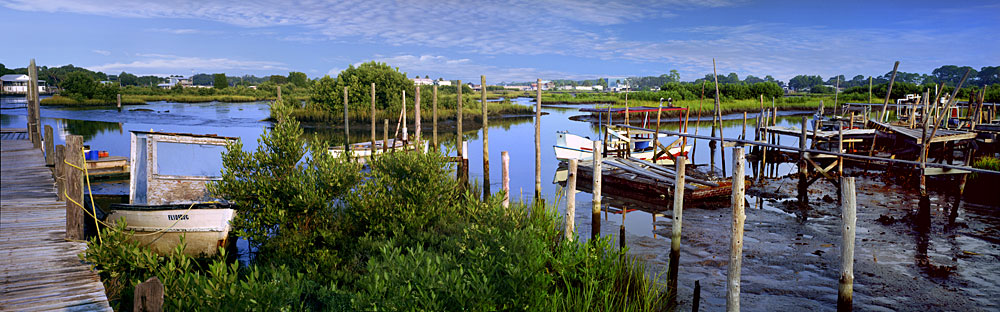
column 4, row 70
column 674, row 76
column 127, row 79
column 427, row 77
column 988, row 75
column 833, row 80
column 751, row 79
column 278, row 79
column 389, row 85
column 79, row 85
column 220, row 81
column 202, row 80
column 804, row 81
column 299, row 79
column 951, row 74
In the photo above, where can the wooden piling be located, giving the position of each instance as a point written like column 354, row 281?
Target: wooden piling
column 60, row 171
column 595, row 218
column 148, row 296
column 434, row 112
column 347, row 128
column 803, row 169
column 840, row 149
column 74, row 187
column 744, row 137
column 621, row 230
column 697, row 296
column 718, row 113
column 385, row 136
column 373, row 120
column 505, row 177
column 458, row 132
column 402, row 115
column 888, row 93
column 736, row 238
column 416, row 119
column 656, row 138
column 675, row 234
column 538, row 141
column 848, row 221
column 119, row 102
column 869, row 91
column 279, row 96
column 50, row 158
column 570, row 200
column 486, row 139
column 836, row 92
column 34, row 120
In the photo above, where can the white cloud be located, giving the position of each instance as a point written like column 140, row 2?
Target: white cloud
column 181, row 31
column 172, row 63
column 101, row 52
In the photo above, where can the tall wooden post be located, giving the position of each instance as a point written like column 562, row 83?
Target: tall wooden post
column 34, row 120
column 744, row 126
column 718, row 114
column 434, row 113
column 416, row 118
column 406, row 135
column 656, row 135
column 60, row 171
column 347, row 128
column 148, row 296
column 279, row 96
column 74, row 187
column 888, row 93
column 385, row 137
column 505, row 177
column 458, row 131
column 571, row 200
column 675, row 235
column 869, row 92
column 849, row 219
column 538, row 141
column 50, row 157
column 486, row 140
column 803, row 169
column 595, row 216
column 373, row 121
column 836, row 92
column 736, row 238
column 119, row 102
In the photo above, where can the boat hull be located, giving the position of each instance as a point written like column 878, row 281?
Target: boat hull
column 204, row 230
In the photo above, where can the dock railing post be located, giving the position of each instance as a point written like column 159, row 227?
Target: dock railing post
column 74, row 187
column 60, row 171
column 571, row 200
column 736, row 237
column 50, row 158
column 505, row 178
column 595, row 218
column 849, row 219
column 675, row 235
column 486, row 139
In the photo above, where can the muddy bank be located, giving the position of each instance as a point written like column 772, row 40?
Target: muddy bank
column 791, row 255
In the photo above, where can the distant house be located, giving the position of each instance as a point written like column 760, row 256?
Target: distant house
column 519, row 88
column 443, row 82
column 546, row 85
column 173, row 80
column 423, row 81
column 18, row 84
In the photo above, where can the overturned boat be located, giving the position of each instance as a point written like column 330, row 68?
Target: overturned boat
column 167, row 193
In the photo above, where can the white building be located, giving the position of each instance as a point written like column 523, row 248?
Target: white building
column 173, row 80
column 423, row 81
column 18, row 84
column 443, row 82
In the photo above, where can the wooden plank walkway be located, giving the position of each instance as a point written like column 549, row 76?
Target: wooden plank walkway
column 914, row 135
column 39, row 268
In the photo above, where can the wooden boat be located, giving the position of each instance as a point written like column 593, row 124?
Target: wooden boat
column 364, row 149
column 167, row 194
column 571, row 146
column 108, row 168
column 625, row 142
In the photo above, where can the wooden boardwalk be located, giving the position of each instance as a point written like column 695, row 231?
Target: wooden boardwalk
column 39, row 268
column 914, row 135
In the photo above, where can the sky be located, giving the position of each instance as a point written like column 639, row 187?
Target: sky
column 505, row 40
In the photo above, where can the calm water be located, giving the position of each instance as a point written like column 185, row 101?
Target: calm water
column 789, row 261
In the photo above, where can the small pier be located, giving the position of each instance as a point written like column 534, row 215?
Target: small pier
column 39, row 267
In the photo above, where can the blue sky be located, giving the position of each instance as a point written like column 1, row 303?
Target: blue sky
column 515, row 40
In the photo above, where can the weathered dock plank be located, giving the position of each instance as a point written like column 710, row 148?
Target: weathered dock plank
column 915, row 135
column 39, row 268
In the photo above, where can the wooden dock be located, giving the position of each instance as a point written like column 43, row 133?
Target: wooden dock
column 914, row 135
column 39, row 268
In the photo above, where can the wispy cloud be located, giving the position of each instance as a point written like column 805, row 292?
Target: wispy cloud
column 101, row 52
column 182, row 31
column 173, row 63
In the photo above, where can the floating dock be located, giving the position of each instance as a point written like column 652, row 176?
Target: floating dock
column 39, row 268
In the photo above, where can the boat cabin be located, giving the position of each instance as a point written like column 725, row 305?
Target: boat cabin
column 174, row 168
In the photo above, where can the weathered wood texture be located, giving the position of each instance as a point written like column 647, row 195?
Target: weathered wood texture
column 148, row 296
column 73, row 179
column 32, row 231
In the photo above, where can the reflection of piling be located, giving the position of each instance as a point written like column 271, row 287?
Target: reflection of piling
column 571, row 199
column 849, row 219
column 538, row 140
column 736, row 238
column 486, row 140
column 621, row 231
column 675, row 235
column 119, row 102
column 74, row 186
column 595, row 218
column 505, row 177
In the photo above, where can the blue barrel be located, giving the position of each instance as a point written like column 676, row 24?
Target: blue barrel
column 641, row 145
column 92, row 155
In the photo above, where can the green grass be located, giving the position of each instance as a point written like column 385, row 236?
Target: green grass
column 987, row 162
column 312, row 115
column 67, row 101
column 135, row 99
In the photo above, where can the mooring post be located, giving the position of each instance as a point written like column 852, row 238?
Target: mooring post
column 803, row 169
column 458, row 131
column 697, row 296
column 744, row 137
column 373, row 121
column 148, row 296
column 385, row 137
column 595, row 217
column 119, row 102
column 486, row 139
column 34, row 120
column 60, row 172
column 763, row 158
column 888, row 93
column 505, row 172
column 736, row 238
column 538, row 140
column 347, row 128
column 416, row 119
column 849, row 219
column 621, row 231
column 434, row 112
column 50, row 158
column 74, row 187
column 279, row 96
column 840, row 149
column 571, row 200
column 675, row 235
